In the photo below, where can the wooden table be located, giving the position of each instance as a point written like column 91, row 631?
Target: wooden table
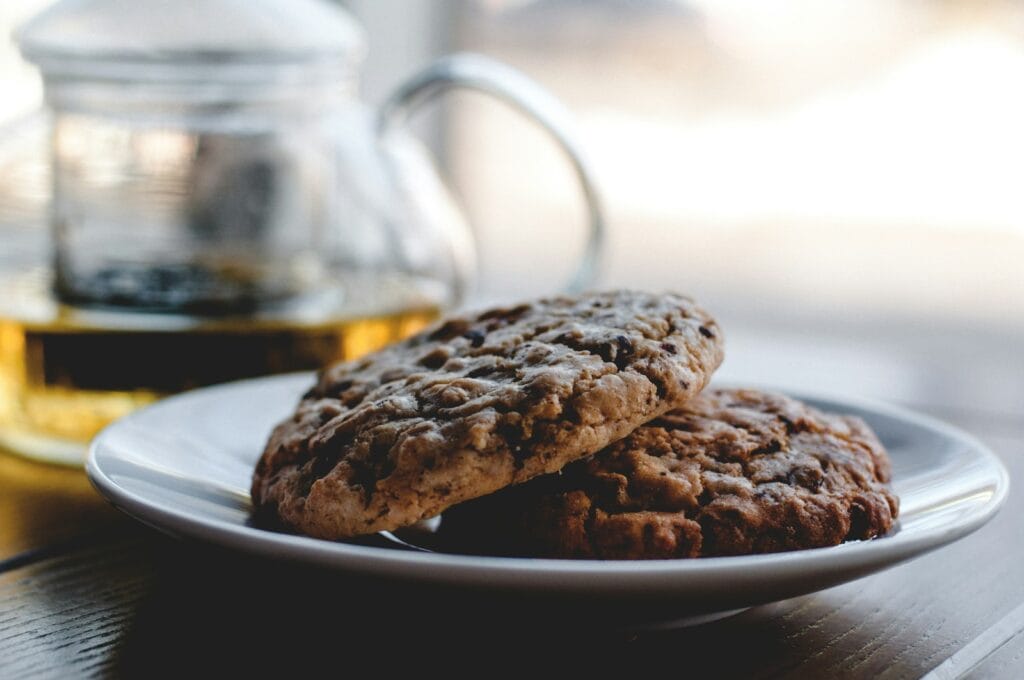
column 87, row 591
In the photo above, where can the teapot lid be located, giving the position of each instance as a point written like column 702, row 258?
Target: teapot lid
column 174, row 40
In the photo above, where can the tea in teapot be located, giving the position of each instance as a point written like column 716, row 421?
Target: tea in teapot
column 222, row 205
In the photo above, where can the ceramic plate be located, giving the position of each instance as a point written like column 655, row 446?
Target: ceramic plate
column 183, row 466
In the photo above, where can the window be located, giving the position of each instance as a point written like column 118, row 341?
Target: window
column 846, row 158
column 853, row 158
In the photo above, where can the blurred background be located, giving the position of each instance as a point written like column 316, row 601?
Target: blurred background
column 838, row 180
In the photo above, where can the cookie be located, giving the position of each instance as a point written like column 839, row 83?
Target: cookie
column 477, row 403
column 735, row 472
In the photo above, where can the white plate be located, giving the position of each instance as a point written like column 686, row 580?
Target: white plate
column 183, row 466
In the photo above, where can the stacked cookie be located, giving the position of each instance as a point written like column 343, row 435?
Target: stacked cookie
column 570, row 427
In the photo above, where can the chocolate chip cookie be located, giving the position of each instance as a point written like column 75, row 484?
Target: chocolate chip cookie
column 735, row 472
column 477, row 403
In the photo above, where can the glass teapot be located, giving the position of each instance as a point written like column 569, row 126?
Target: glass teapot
column 223, row 205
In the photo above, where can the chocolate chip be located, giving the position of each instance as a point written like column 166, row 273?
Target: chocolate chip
column 475, row 337
column 449, row 330
column 512, row 433
column 706, row 332
column 480, row 371
column 808, row 478
column 625, row 350
column 325, row 415
column 661, row 389
column 774, row 446
column 507, row 315
column 364, row 476
column 435, row 359
column 670, row 348
column 859, row 522
column 339, row 387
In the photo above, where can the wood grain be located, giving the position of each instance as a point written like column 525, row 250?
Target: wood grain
column 64, row 616
column 152, row 605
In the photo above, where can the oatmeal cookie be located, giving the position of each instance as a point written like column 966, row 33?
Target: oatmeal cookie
column 477, row 403
column 732, row 473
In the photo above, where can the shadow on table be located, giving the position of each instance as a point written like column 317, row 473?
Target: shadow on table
column 213, row 612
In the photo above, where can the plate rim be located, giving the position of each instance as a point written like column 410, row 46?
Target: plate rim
column 525, row 571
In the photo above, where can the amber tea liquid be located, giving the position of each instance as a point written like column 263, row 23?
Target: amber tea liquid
column 64, row 375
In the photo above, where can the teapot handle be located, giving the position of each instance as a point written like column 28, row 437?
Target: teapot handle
column 476, row 72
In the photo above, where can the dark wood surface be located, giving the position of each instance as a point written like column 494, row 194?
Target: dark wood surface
column 86, row 591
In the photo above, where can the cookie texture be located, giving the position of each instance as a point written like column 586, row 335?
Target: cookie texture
column 477, row 403
column 735, row 472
